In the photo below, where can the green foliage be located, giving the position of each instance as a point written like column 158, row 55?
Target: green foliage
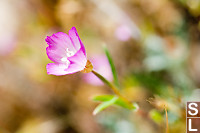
column 116, row 81
column 119, row 102
column 104, row 105
column 152, row 81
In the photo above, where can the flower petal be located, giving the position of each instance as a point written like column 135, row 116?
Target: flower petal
column 77, row 63
column 58, row 44
column 56, row 69
column 73, row 34
column 55, row 55
column 73, row 68
column 79, row 59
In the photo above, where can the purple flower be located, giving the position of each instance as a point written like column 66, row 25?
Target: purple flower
column 102, row 66
column 67, row 52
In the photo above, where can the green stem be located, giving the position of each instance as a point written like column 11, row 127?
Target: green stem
column 113, row 87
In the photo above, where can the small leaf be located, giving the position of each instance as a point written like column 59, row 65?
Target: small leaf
column 119, row 102
column 104, row 105
column 102, row 98
column 115, row 78
column 125, row 105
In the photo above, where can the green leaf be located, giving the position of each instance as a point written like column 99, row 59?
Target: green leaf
column 114, row 73
column 119, row 102
column 102, row 98
column 104, row 105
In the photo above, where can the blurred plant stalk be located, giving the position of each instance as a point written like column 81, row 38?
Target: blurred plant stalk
column 167, row 126
column 113, row 87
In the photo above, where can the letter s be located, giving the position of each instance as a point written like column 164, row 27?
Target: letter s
column 192, row 108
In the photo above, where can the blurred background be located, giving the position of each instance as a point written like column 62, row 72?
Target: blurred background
column 155, row 46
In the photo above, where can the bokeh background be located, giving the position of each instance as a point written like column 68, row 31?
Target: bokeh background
column 155, row 45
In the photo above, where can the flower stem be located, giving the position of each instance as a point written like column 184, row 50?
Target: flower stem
column 167, row 127
column 113, row 87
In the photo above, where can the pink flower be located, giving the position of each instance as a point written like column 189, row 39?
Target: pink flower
column 123, row 33
column 7, row 43
column 102, row 66
column 67, row 52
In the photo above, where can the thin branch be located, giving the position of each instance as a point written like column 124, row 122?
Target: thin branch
column 167, row 126
column 113, row 87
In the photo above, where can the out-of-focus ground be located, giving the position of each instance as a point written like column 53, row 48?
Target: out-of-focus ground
column 155, row 45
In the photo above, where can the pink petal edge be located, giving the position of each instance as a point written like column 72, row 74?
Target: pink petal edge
column 75, row 38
